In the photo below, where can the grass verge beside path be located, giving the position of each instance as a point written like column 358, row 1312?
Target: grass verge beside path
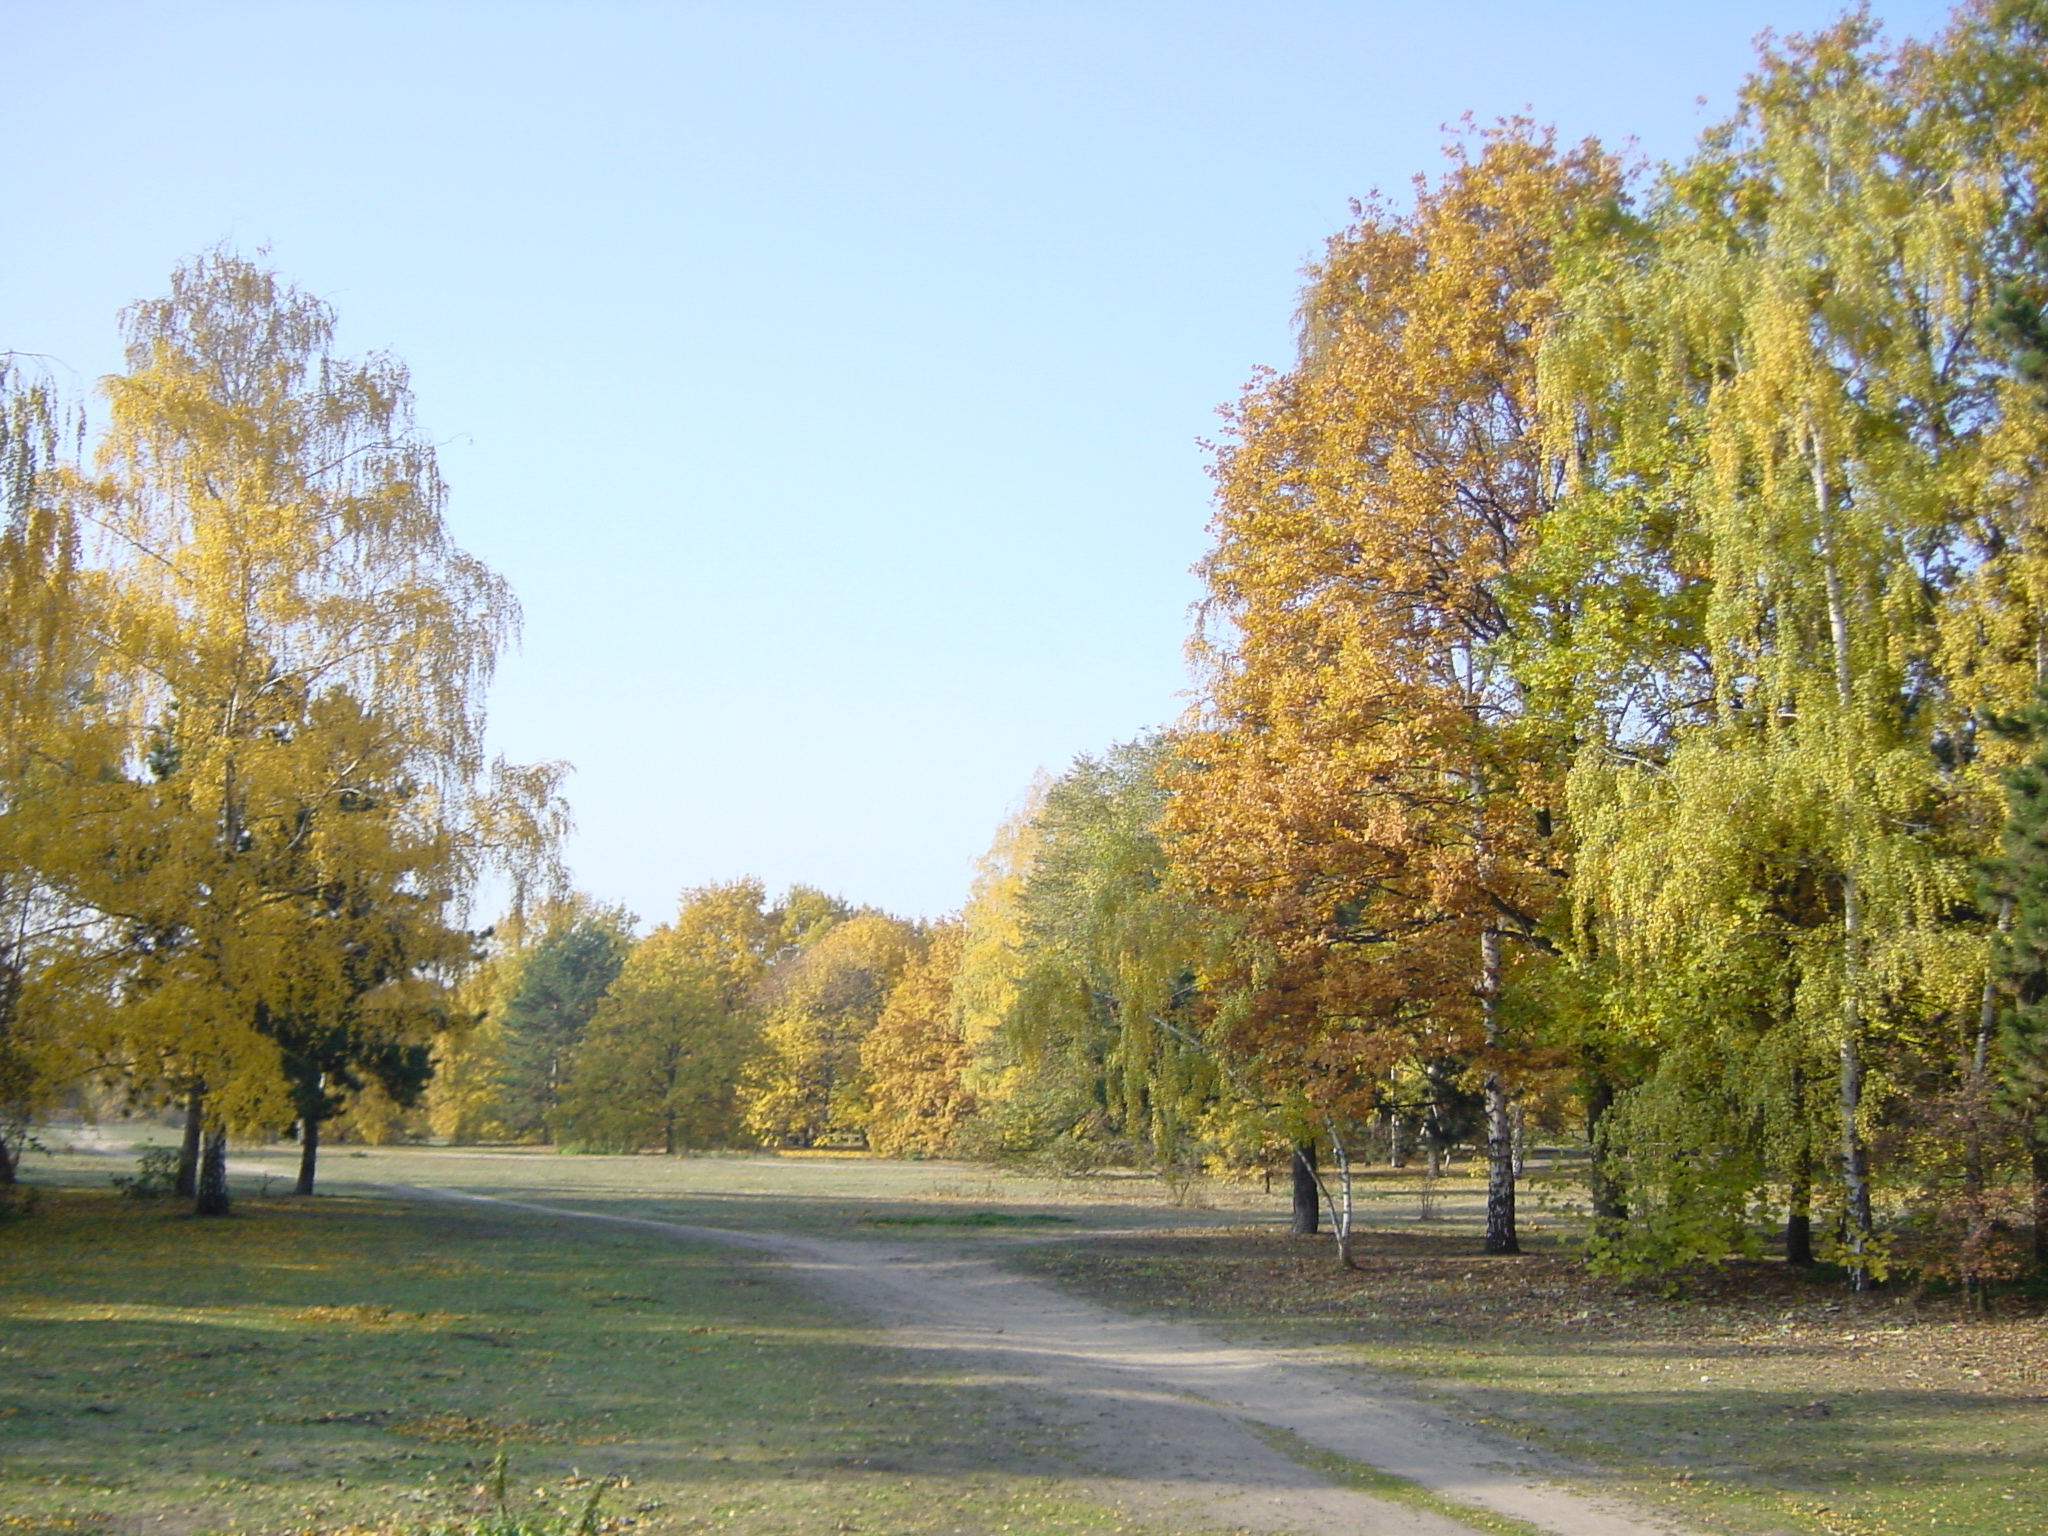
column 1760, row 1402
column 1763, row 1403
column 358, row 1362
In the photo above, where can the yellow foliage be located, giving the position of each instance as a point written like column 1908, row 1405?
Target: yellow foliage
column 817, row 1007
column 915, row 1057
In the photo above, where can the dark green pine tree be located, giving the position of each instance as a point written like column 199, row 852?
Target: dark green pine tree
column 558, row 990
column 2010, row 71
column 2010, row 76
column 2020, row 879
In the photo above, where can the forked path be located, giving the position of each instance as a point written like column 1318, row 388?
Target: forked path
column 1173, row 1413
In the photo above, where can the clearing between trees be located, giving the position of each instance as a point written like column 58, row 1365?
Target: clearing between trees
column 1000, row 1391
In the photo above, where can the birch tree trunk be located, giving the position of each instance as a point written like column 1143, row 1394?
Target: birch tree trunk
column 1854, row 1151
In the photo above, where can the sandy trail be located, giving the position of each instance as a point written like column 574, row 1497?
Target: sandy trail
column 1172, row 1412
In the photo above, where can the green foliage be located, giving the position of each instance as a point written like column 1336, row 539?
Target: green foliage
column 561, row 981
column 1103, row 1020
column 155, row 1176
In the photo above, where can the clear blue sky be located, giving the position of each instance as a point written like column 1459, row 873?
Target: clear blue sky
column 826, row 378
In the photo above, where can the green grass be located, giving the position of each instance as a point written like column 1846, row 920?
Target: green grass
column 352, row 1363
column 1937, row 1420
column 972, row 1219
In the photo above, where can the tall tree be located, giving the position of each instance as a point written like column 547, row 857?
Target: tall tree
column 1364, row 790
column 272, row 522
column 1778, row 405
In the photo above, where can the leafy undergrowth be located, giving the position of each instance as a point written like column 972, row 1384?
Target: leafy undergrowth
column 1755, row 1399
column 359, row 1365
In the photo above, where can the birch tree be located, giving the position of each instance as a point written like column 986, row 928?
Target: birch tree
column 1779, row 405
column 271, row 521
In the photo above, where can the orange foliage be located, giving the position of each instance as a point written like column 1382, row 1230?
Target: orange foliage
column 1363, row 790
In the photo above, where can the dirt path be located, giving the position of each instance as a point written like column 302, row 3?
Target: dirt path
column 1174, row 1414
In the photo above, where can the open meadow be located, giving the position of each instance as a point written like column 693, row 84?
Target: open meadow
column 360, row 1359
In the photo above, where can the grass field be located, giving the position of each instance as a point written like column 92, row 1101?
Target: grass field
column 1753, row 1400
column 357, row 1358
column 359, row 1362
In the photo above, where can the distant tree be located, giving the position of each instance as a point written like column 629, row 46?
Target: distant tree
column 662, row 1058
column 915, row 1056
column 561, row 980
column 818, row 1004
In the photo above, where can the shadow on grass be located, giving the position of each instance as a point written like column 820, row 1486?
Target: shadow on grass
column 350, row 1360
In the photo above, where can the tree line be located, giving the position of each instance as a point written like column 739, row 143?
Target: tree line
column 1622, row 659
column 1620, row 717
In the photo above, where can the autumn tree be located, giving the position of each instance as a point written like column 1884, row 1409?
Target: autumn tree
column 916, row 1056
column 818, row 1003
column 662, row 1059
column 271, row 524
column 1364, row 788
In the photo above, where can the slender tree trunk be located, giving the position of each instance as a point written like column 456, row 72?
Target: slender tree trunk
column 212, row 1196
column 1855, row 1152
column 1397, row 1141
column 7, row 1163
column 1500, row 1130
column 1799, row 1211
column 1603, row 1185
column 309, row 1154
column 1307, row 1194
column 2039, row 1161
column 188, row 1149
column 1342, row 1215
